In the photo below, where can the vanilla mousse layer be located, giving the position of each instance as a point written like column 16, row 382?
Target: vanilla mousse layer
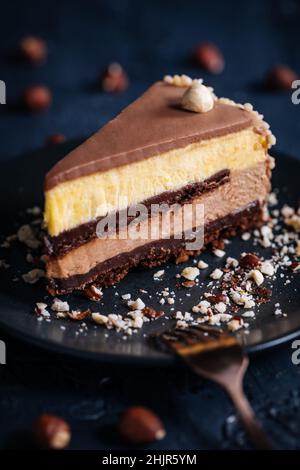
column 76, row 202
column 245, row 187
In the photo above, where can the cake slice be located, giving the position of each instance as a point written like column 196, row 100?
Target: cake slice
column 154, row 152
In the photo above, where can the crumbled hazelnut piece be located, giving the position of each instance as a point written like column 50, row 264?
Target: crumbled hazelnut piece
column 267, row 268
column 257, row 276
column 246, row 236
column 60, row 306
column 202, row 307
column 216, row 298
column 190, row 273
column 216, row 274
column 294, row 222
column 61, row 315
column 99, row 318
column 235, row 324
column 4, row 264
column 137, row 304
column 8, row 240
column 287, row 211
column 249, row 260
column 220, row 307
column 33, row 276
column 202, row 265
column 272, row 199
column 181, row 324
column 79, row 315
column 152, row 313
column 92, row 292
column 41, row 309
column 126, row 296
column 137, row 318
column 249, row 314
column 231, row 262
column 159, row 274
column 240, row 297
column 219, row 253
column 25, row 235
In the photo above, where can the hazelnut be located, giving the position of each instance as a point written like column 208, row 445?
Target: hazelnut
column 209, row 57
column 33, row 49
column 280, row 77
column 55, row 139
column 139, row 425
column 249, row 261
column 198, row 98
column 37, row 98
column 114, row 79
column 51, row 432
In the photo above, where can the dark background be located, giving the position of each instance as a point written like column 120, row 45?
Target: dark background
column 150, row 39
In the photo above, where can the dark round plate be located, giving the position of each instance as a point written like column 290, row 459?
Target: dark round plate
column 21, row 187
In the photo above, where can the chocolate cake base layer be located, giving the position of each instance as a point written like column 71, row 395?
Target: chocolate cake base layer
column 67, row 241
column 155, row 253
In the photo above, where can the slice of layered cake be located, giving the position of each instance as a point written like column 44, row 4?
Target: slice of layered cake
column 176, row 144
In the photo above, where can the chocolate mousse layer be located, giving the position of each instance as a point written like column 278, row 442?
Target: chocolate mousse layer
column 155, row 253
column 236, row 204
column 68, row 240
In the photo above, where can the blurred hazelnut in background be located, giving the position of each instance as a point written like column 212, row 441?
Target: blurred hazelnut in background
column 33, row 50
column 114, row 79
column 209, row 57
column 37, row 98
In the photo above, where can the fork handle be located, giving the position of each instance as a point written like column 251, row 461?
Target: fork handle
column 247, row 416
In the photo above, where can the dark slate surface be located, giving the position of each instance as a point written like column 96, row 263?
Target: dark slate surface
column 150, row 39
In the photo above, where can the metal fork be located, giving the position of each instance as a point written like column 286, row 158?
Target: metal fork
column 218, row 356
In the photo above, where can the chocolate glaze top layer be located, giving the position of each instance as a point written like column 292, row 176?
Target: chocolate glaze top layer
column 152, row 124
